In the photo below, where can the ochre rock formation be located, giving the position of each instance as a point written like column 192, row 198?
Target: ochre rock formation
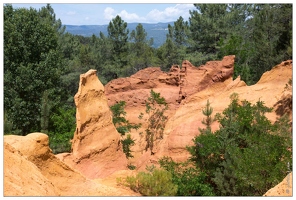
column 96, row 148
column 282, row 189
column 182, row 127
column 31, row 169
column 174, row 85
column 212, row 81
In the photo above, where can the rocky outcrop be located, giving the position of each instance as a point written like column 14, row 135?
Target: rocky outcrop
column 21, row 176
column 284, row 188
column 96, row 149
column 183, row 126
column 31, row 169
column 212, row 81
column 175, row 85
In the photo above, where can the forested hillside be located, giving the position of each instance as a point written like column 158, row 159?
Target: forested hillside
column 156, row 31
column 42, row 62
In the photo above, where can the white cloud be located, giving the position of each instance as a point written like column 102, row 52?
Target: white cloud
column 170, row 13
column 130, row 17
column 108, row 13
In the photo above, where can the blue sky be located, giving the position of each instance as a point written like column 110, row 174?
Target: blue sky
column 103, row 13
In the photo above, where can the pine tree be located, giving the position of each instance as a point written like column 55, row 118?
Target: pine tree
column 207, row 111
column 118, row 35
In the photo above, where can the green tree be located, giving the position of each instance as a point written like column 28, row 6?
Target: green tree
column 180, row 32
column 64, row 124
column 32, row 64
column 174, row 49
column 118, row 35
column 141, row 53
column 259, row 36
column 208, row 25
column 168, row 52
column 271, row 34
column 45, row 112
column 156, row 119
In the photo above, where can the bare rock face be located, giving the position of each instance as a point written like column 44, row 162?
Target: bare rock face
column 96, row 148
column 175, row 85
column 31, row 169
column 21, row 176
column 284, row 188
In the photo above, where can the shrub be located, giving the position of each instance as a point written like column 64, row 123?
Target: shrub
column 190, row 181
column 122, row 125
column 155, row 183
column 126, row 146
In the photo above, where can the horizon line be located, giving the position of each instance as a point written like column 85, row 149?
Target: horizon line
column 126, row 22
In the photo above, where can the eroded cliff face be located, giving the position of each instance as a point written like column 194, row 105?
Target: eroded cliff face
column 31, row 169
column 175, row 86
column 96, row 149
column 183, row 125
column 187, row 90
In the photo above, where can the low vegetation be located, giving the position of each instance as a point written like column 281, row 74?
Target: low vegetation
column 153, row 182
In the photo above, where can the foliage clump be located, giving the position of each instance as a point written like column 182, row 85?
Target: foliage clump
column 154, row 182
column 123, row 126
column 190, row 180
column 64, row 126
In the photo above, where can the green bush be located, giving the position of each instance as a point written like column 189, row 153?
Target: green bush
column 190, row 181
column 158, row 182
column 248, row 155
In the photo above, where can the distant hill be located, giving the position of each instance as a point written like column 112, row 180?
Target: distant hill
column 157, row 31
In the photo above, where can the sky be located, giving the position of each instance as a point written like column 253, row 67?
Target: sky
column 103, row 13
